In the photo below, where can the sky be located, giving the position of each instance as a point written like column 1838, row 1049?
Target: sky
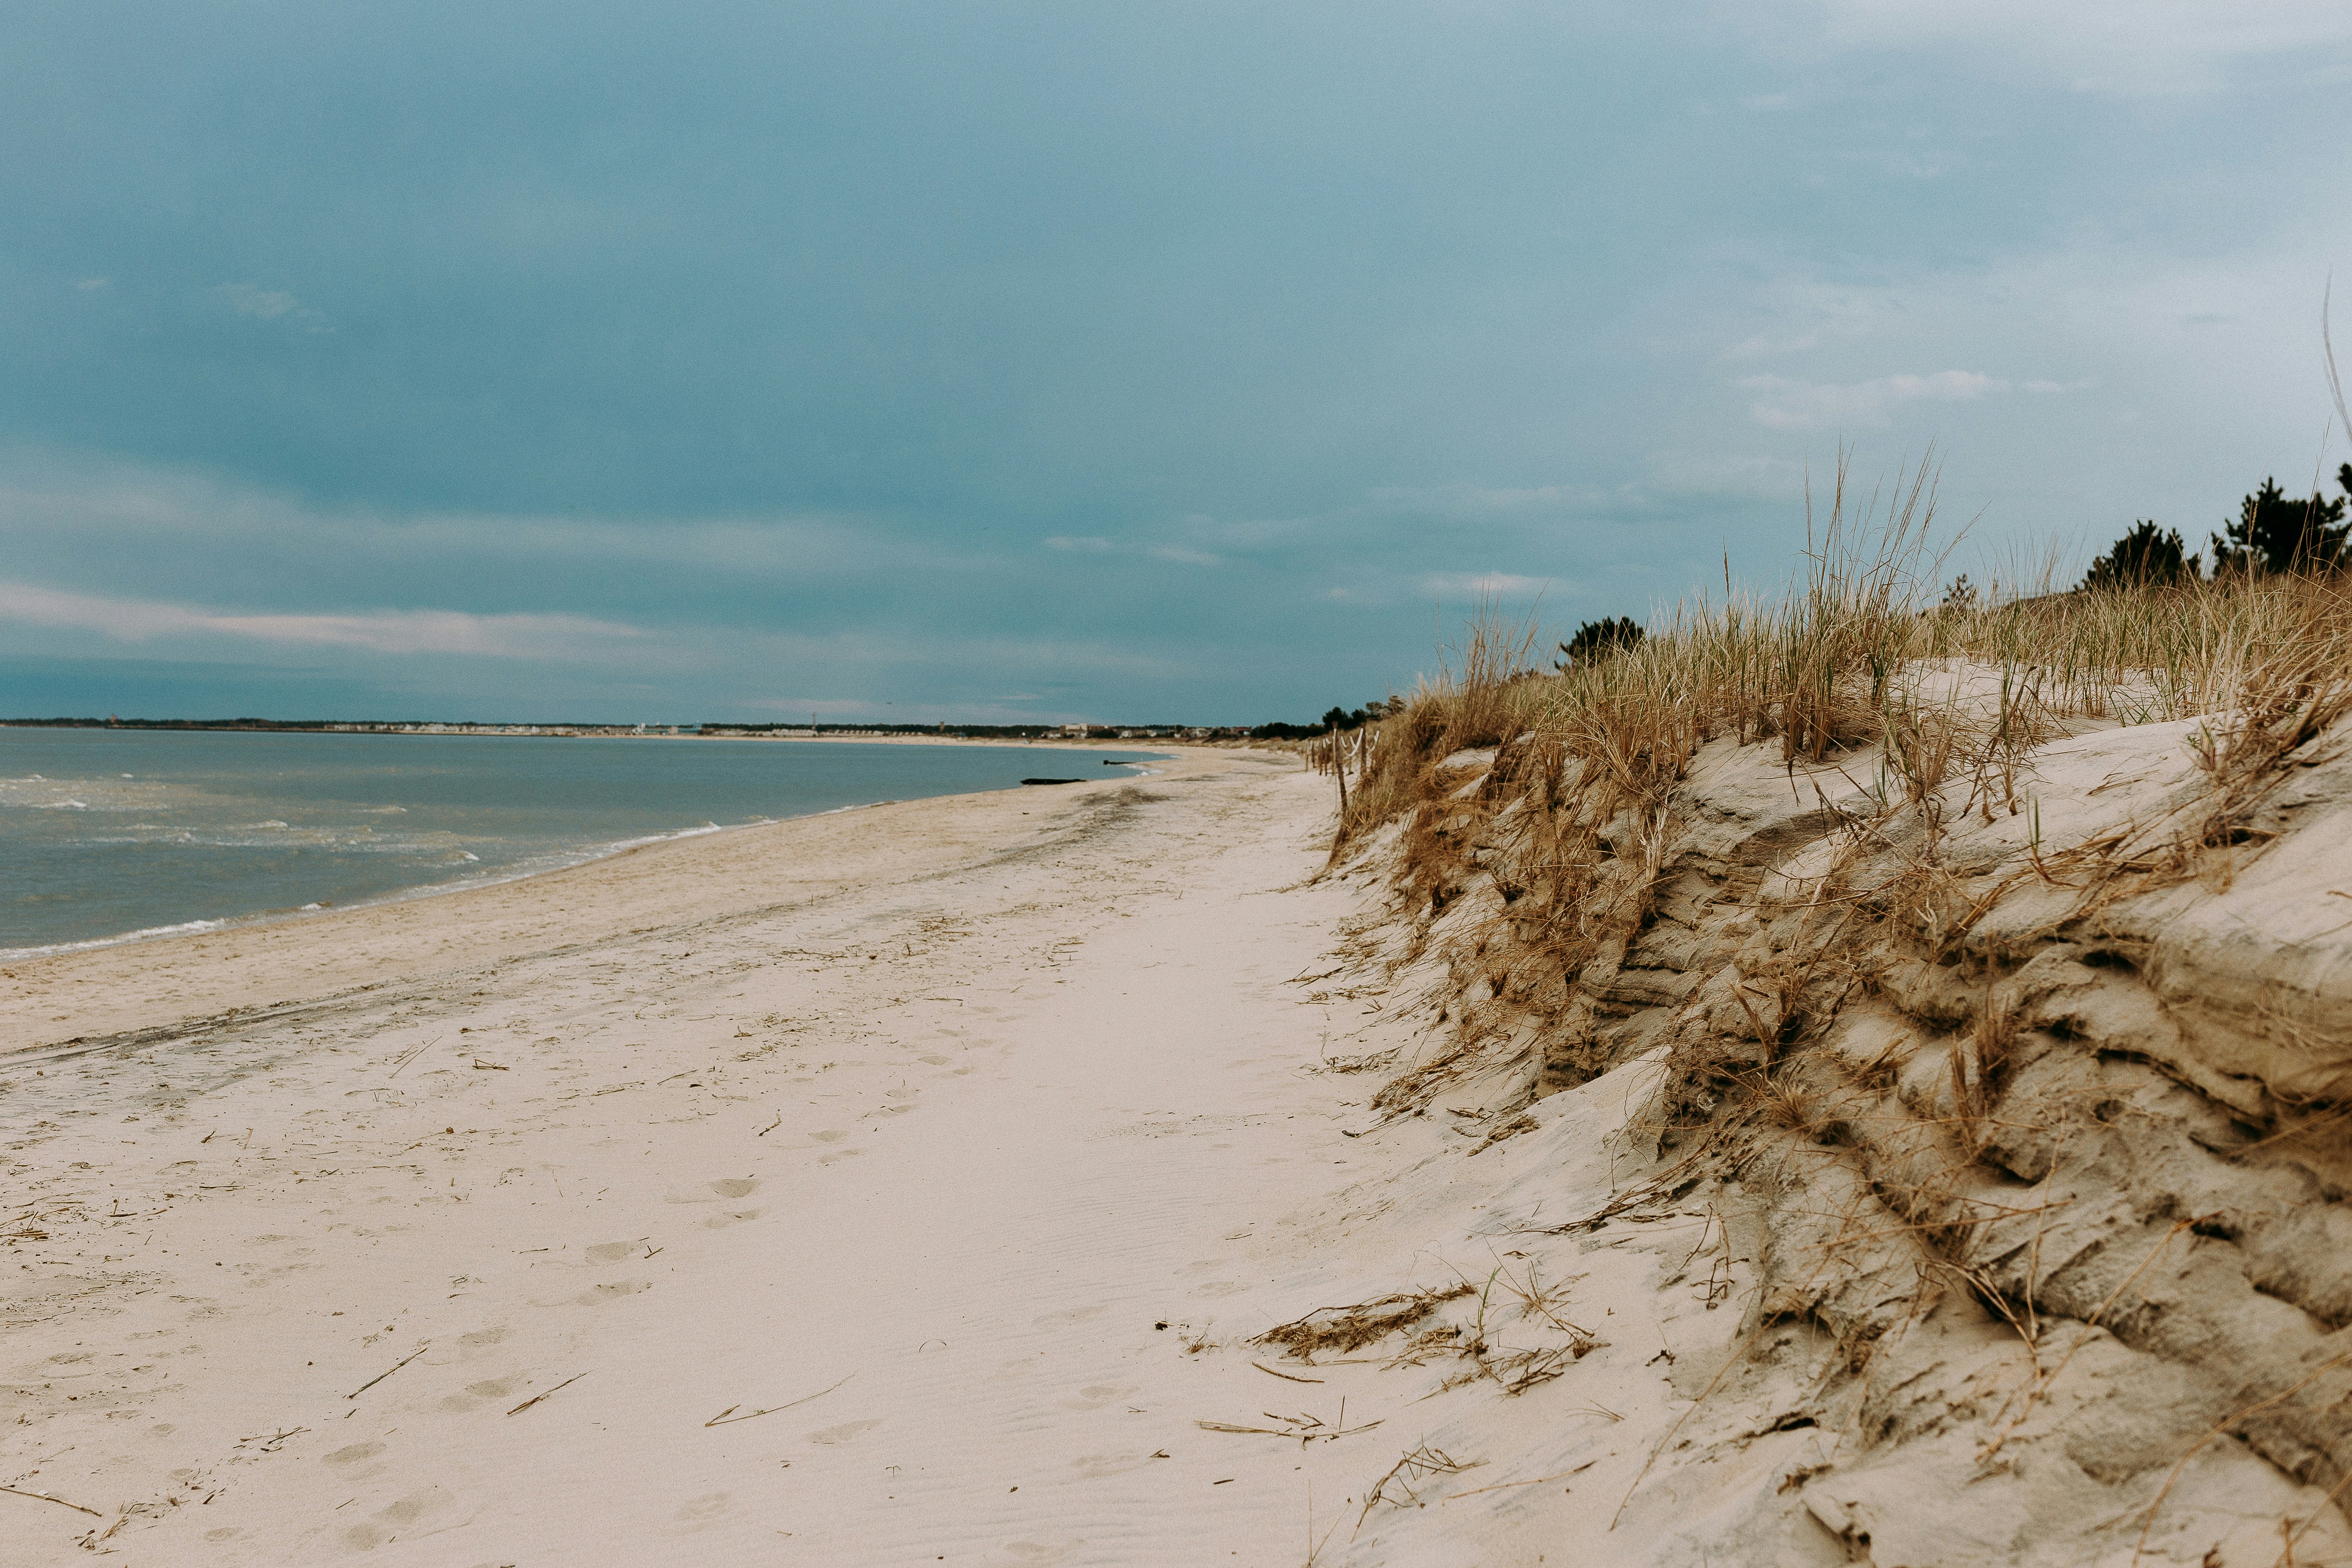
column 1022, row 362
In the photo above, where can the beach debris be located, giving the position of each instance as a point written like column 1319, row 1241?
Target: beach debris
column 1345, row 1329
column 387, row 1371
column 273, row 1441
column 411, row 1055
column 536, row 1397
column 1418, row 1465
column 19, row 1491
column 728, row 1417
column 1530, row 1481
column 1304, row 1428
column 1287, row 1377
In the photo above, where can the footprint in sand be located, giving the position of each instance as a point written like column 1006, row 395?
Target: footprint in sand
column 696, row 1512
column 1097, row 1396
column 1065, row 1318
column 480, row 1340
column 1094, row 1466
column 829, row 1136
column 936, row 1061
column 491, row 1388
column 733, row 1216
column 847, row 1432
column 611, row 1251
column 427, row 1512
column 1033, row 1554
column 598, row 1295
column 728, row 1187
column 353, row 1462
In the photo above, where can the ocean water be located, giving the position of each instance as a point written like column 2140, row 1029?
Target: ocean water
column 107, row 834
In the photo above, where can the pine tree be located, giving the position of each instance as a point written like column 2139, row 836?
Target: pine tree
column 2275, row 535
column 1596, row 640
column 2147, row 556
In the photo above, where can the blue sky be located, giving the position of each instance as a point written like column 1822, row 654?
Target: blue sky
column 1003, row 362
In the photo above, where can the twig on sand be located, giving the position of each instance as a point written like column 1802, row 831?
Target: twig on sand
column 1284, row 1375
column 413, row 1053
column 1532, row 1481
column 19, row 1491
column 771, row 1126
column 387, row 1371
column 1304, row 1428
column 1418, row 1465
column 536, row 1397
column 728, row 1417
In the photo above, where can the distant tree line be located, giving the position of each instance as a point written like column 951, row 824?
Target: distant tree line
column 2274, row 532
column 1334, row 720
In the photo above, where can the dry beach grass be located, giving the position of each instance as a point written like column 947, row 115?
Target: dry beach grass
column 1952, row 996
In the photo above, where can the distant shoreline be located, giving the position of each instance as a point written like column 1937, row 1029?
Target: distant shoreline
column 979, row 734
column 588, row 855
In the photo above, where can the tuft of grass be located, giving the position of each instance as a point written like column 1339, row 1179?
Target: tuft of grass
column 1345, row 1329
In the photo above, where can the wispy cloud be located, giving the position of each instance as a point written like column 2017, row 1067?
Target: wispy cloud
column 375, row 631
column 270, row 305
column 1094, row 544
column 1178, row 552
column 1785, row 403
column 1469, row 501
column 1483, row 585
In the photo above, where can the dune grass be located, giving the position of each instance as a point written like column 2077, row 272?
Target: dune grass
column 1862, row 647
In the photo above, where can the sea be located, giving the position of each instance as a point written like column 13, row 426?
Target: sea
column 120, row 834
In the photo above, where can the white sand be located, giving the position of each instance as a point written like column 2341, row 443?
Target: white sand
column 916, row 1121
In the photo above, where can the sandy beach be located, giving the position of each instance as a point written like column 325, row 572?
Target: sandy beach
column 815, row 1193
column 1095, row 1175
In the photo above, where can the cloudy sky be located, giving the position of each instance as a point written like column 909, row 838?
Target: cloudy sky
column 1001, row 362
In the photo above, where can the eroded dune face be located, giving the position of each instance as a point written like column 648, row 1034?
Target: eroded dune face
column 2004, row 1111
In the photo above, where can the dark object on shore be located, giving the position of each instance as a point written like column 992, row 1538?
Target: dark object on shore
column 1053, row 780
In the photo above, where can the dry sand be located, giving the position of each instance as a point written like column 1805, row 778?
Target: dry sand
column 811, row 1193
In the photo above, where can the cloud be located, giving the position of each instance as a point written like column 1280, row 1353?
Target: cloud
column 1092, row 544
column 154, row 515
column 1483, row 585
column 1784, row 403
column 1472, row 501
column 1188, row 557
column 270, row 305
column 376, row 631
